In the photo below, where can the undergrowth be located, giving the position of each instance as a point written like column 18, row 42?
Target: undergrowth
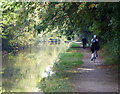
column 60, row 81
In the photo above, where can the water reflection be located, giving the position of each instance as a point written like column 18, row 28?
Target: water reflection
column 22, row 70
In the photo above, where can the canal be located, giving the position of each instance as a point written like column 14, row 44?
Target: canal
column 22, row 70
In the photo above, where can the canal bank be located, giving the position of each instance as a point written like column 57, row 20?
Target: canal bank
column 60, row 82
column 27, row 65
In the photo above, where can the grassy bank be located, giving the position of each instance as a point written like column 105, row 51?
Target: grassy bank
column 74, row 45
column 60, row 81
column 108, row 58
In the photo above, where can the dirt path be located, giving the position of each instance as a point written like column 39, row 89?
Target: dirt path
column 94, row 77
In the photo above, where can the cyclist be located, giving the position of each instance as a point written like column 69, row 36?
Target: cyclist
column 94, row 46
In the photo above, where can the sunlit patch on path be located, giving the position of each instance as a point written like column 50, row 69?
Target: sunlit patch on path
column 86, row 69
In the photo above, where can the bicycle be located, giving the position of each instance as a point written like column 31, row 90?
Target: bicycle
column 94, row 56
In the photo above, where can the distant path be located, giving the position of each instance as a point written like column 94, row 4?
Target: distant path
column 94, row 77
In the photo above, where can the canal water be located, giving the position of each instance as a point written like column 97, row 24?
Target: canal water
column 22, row 70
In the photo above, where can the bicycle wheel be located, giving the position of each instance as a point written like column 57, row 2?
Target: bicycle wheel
column 94, row 58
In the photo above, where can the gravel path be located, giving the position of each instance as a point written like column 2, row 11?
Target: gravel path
column 94, row 77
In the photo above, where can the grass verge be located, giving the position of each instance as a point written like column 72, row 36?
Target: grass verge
column 74, row 45
column 108, row 59
column 60, row 81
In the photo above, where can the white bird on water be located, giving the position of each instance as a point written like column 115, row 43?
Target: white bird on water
column 48, row 72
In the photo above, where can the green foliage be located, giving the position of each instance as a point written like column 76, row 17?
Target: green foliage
column 69, row 18
column 16, row 19
column 60, row 81
column 101, row 19
column 67, row 61
column 55, row 84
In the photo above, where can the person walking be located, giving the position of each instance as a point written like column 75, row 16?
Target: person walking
column 84, row 42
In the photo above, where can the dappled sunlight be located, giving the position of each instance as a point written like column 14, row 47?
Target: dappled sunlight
column 74, row 71
column 66, row 78
column 80, row 70
column 43, row 41
column 87, row 69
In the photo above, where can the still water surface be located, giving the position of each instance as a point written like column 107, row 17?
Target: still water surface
column 22, row 70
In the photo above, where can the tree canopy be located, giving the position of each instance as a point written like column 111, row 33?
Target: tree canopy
column 65, row 18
